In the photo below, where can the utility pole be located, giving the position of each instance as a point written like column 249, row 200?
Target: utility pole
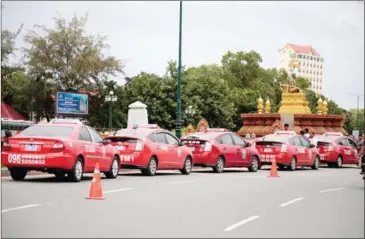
column 178, row 115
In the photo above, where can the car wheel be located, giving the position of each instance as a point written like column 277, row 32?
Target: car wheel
column 75, row 175
column 18, row 174
column 152, row 167
column 114, row 169
column 218, row 168
column 60, row 176
column 293, row 164
column 315, row 165
column 188, row 165
column 339, row 162
column 254, row 164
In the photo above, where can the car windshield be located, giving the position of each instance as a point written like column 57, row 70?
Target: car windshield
column 135, row 133
column 274, row 138
column 47, row 131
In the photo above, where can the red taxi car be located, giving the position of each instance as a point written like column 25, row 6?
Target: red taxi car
column 219, row 149
column 288, row 149
column 59, row 147
column 150, row 148
column 335, row 149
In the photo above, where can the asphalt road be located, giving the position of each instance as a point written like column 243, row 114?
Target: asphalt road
column 328, row 203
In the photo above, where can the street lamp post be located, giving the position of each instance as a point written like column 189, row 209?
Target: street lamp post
column 358, row 110
column 110, row 98
column 189, row 111
column 178, row 115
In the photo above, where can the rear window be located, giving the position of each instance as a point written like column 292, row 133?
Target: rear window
column 206, row 137
column 325, row 139
column 47, row 131
column 132, row 133
column 123, row 140
column 274, row 138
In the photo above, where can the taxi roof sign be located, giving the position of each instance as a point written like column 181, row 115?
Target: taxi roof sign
column 285, row 132
column 146, row 126
column 333, row 134
column 65, row 121
column 216, row 130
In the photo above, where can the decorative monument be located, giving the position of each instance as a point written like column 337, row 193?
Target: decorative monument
column 295, row 111
column 137, row 114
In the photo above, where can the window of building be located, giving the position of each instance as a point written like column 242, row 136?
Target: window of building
column 299, row 56
column 311, row 58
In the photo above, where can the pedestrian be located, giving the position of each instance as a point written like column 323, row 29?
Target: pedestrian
column 302, row 133
column 313, row 139
column 286, row 127
column 306, row 133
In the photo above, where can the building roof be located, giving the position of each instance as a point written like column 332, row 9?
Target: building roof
column 304, row 49
column 9, row 113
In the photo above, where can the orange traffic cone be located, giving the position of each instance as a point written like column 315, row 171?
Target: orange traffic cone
column 95, row 190
column 274, row 169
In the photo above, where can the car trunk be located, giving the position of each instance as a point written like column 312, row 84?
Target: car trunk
column 323, row 147
column 32, row 144
column 124, row 144
column 269, row 147
column 195, row 145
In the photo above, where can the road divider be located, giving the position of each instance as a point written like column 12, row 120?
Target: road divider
column 21, row 207
column 240, row 223
column 291, row 202
column 331, row 190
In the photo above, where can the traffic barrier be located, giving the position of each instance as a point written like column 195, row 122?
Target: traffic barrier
column 96, row 191
column 274, row 169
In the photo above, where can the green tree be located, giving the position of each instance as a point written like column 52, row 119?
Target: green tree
column 74, row 58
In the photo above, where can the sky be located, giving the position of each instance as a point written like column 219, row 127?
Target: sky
column 145, row 34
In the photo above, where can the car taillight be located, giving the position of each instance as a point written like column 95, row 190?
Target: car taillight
column 284, row 148
column 207, row 147
column 139, row 146
column 57, row 147
column 330, row 148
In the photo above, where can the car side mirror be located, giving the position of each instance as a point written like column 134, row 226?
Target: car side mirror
column 312, row 146
column 248, row 144
column 180, row 143
column 340, row 143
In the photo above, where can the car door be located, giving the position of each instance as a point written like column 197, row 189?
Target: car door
column 160, row 148
column 228, row 149
column 175, row 157
column 101, row 154
column 354, row 156
column 308, row 158
column 88, row 148
column 344, row 149
column 242, row 154
column 299, row 150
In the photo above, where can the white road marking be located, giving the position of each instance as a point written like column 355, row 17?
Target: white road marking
column 22, row 207
column 290, row 202
column 188, row 181
column 330, row 190
column 117, row 190
column 238, row 224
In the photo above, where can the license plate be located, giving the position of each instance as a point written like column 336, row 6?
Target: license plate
column 31, row 147
column 120, row 148
column 267, row 150
column 192, row 149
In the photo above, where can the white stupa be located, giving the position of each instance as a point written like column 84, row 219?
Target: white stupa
column 137, row 114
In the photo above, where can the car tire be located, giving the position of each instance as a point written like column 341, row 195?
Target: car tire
column 18, row 174
column 151, row 167
column 315, row 165
column 114, row 169
column 254, row 164
column 188, row 165
column 218, row 168
column 75, row 175
column 293, row 164
column 60, row 176
column 339, row 162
